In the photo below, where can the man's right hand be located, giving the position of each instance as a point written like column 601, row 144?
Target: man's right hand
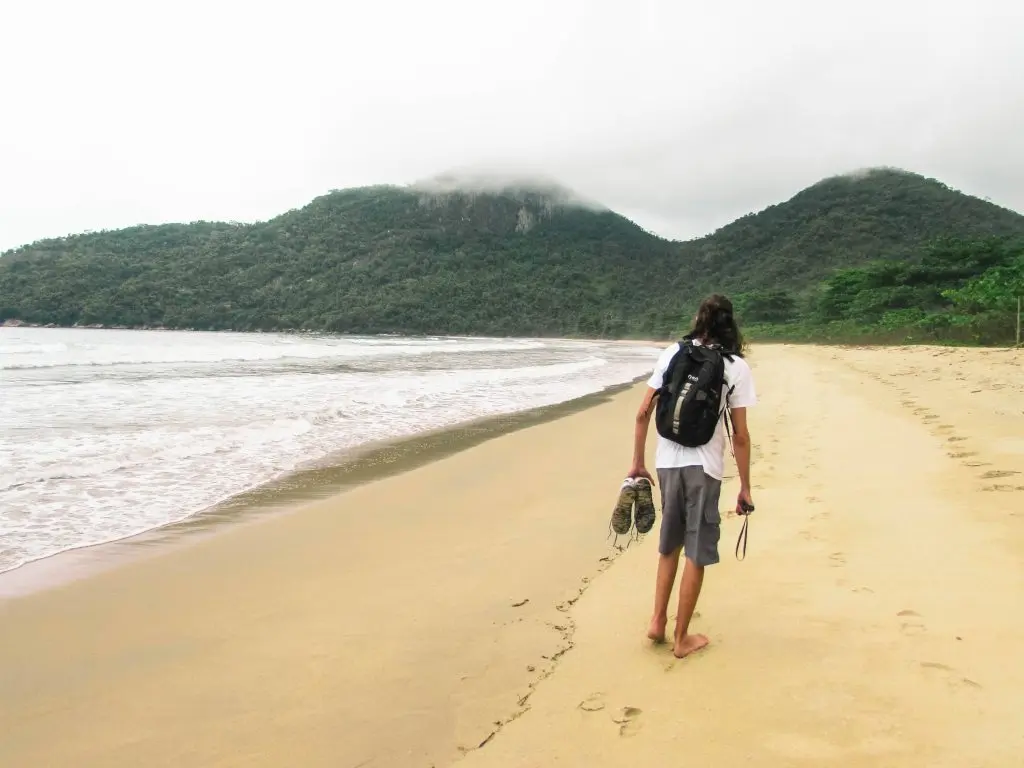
column 643, row 418
column 640, row 471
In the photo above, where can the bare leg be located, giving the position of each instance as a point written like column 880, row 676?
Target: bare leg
column 689, row 591
column 667, row 565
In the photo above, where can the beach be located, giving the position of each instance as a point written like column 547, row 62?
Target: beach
column 473, row 609
column 112, row 433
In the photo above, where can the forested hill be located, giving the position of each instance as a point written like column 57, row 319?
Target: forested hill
column 512, row 261
column 843, row 221
column 370, row 260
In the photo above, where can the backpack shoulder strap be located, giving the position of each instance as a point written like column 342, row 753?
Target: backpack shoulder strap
column 676, row 370
column 727, row 417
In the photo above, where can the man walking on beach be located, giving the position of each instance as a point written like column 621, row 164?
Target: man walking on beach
column 691, row 475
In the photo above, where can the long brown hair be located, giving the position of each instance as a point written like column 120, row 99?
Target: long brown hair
column 715, row 323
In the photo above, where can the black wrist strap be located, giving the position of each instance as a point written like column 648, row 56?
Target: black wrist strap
column 742, row 538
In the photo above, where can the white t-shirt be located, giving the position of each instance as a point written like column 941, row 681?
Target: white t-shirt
column 711, row 455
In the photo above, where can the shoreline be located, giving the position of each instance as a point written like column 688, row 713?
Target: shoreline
column 860, row 342
column 330, row 334
column 445, row 586
column 320, row 479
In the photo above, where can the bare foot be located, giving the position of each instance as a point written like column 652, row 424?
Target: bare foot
column 689, row 644
column 656, row 631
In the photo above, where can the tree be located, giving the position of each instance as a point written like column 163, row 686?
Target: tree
column 997, row 290
column 771, row 306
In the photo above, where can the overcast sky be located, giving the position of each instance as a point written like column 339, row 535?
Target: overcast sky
column 681, row 115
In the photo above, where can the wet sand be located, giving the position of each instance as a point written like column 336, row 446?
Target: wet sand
column 326, row 477
column 469, row 609
column 383, row 625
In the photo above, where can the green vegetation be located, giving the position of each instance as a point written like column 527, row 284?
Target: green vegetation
column 886, row 255
column 842, row 222
column 378, row 260
column 958, row 291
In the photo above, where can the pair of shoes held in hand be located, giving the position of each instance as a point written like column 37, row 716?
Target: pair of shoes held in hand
column 635, row 492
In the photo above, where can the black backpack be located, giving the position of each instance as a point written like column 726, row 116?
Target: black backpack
column 690, row 398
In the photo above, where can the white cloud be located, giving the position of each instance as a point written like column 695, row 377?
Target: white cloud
column 682, row 115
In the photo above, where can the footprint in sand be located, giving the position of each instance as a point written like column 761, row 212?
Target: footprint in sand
column 962, row 454
column 864, row 590
column 627, row 721
column 813, row 499
column 955, row 439
column 912, row 628
column 1003, row 488
column 838, row 559
column 593, row 703
column 953, row 678
column 993, row 474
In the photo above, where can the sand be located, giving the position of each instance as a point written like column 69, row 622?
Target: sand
column 875, row 621
column 385, row 624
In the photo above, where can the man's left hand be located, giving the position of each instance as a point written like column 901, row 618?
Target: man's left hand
column 744, row 499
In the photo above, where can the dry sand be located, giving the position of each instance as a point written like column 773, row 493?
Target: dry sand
column 876, row 620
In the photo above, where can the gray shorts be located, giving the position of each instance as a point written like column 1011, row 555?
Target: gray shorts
column 689, row 513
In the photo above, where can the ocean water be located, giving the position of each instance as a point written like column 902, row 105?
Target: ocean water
column 106, row 433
